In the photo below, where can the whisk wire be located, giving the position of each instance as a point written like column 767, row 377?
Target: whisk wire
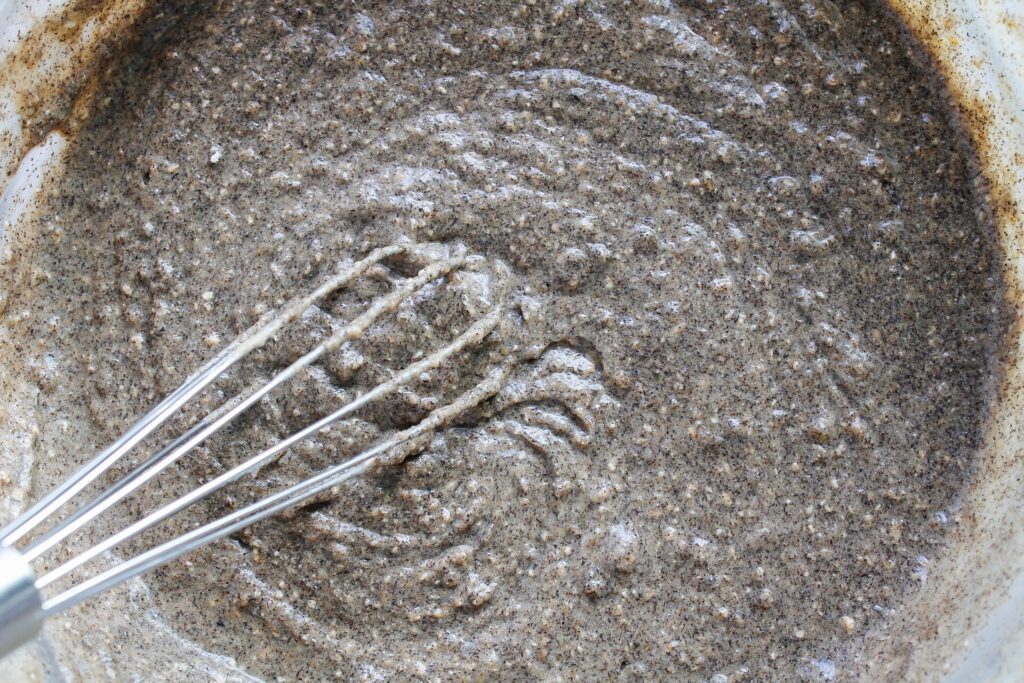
column 165, row 409
column 156, row 465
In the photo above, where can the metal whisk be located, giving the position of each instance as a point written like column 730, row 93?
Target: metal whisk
column 24, row 600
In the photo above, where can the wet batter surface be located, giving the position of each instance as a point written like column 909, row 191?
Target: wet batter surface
column 748, row 302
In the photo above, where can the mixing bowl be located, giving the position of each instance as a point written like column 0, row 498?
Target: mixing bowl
column 965, row 624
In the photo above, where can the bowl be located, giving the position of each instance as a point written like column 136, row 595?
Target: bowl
column 965, row 624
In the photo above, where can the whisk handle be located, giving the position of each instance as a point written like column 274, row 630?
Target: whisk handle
column 21, row 605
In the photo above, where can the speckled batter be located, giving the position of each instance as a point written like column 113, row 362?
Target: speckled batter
column 750, row 314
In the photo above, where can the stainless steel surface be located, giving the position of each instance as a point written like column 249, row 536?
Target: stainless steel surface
column 21, row 604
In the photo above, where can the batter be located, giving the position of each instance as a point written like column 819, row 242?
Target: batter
column 751, row 311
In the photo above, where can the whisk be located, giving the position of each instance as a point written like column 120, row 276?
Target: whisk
column 26, row 600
